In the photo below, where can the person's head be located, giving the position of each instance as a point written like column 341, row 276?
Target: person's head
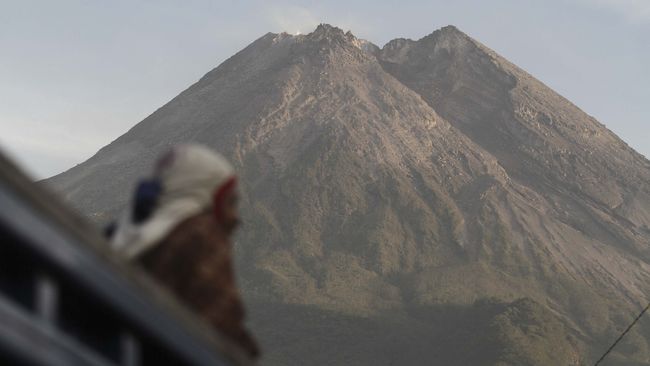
column 196, row 174
column 188, row 180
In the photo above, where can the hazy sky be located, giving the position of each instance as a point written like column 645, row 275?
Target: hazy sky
column 74, row 75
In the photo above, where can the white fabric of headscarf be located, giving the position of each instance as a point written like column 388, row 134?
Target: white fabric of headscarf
column 189, row 175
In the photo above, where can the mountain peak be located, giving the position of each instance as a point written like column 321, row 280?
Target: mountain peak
column 327, row 38
column 328, row 31
column 448, row 35
column 450, row 29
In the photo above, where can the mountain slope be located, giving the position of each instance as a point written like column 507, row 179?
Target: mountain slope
column 540, row 138
column 428, row 174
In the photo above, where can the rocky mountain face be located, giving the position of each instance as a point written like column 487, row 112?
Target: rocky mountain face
column 423, row 202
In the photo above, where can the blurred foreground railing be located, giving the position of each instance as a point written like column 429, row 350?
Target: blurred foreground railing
column 66, row 300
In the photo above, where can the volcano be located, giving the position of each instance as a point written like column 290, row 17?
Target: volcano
column 427, row 202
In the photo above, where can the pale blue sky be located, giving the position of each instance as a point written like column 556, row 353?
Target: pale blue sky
column 74, row 75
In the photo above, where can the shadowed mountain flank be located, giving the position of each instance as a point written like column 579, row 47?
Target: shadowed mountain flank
column 392, row 191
